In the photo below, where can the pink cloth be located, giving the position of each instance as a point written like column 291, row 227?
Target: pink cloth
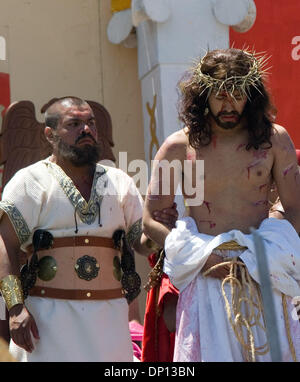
column 136, row 332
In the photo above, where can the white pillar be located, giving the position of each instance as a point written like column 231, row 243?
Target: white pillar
column 165, row 52
column 167, row 47
column 170, row 35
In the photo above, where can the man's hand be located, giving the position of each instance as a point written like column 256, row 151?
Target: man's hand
column 167, row 216
column 21, row 325
column 221, row 272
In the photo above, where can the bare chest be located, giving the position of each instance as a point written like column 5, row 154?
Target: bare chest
column 232, row 168
column 84, row 188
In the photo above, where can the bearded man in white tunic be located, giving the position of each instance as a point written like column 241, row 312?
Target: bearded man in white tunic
column 76, row 308
column 210, row 255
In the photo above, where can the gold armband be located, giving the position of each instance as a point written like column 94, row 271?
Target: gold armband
column 152, row 245
column 11, row 290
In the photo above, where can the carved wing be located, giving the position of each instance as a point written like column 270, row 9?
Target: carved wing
column 22, row 140
column 104, row 125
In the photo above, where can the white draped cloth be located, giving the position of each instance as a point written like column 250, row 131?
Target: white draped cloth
column 42, row 196
column 203, row 331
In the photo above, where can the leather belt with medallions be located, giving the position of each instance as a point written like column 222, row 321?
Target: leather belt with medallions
column 84, row 268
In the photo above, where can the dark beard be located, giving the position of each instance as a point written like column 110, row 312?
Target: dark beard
column 79, row 156
column 227, row 125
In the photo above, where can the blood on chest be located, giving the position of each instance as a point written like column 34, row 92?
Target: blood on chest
column 249, row 170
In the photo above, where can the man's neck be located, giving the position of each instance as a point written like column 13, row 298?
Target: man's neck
column 84, row 172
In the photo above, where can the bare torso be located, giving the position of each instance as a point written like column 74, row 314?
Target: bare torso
column 237, row 183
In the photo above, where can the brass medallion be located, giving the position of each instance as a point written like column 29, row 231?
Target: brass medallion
column 47, row 268
column 131, row 283
column 87, row 268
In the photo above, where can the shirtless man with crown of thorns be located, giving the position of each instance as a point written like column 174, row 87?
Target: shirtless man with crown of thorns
column 227, row 114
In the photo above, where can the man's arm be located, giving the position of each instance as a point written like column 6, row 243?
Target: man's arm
column 9, row 248
column 286, row 175
column 145, row 246
column 167, row 172
column 168, row 216
column 21, row 322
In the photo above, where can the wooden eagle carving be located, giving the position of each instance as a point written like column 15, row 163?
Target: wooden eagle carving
column 22, row 139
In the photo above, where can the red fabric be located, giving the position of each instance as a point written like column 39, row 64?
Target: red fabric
column 158, row 342
column 5, row 91
column 276, row 32
column 4, row 101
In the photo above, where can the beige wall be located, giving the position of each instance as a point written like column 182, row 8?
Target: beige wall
column 59, row 47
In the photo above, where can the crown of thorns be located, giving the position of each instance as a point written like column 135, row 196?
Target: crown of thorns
column 233, row 85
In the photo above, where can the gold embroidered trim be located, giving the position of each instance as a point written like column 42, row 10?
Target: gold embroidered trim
column 17, row 220
column 87, row 211
column 134, row 232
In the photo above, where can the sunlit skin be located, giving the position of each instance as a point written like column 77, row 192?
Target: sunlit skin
column 253, row 165
column 237, row 181
column 227, row 109
column 262, row 186
column 214, row 141
column 74, row 123
column 240, row 146
column 288, row 169
column 260, row 154
column 207, row 204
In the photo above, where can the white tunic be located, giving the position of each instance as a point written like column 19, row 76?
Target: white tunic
column 42, row 196
column 203, row 331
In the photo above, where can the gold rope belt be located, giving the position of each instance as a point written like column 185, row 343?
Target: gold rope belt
column 245, row 291
column 231, row 246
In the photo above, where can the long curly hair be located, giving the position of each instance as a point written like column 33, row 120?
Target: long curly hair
column 193, row 103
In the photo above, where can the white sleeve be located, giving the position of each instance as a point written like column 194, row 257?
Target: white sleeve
column 21, row 201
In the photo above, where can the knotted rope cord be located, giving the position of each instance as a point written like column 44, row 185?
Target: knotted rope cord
column 287, row 327
column 155, row 275
column 243, row 291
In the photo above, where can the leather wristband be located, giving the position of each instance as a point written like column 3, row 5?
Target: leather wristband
column 11, row 290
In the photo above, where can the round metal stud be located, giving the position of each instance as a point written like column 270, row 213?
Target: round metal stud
column 47, row 268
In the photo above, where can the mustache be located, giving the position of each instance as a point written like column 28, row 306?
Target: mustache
column 84, row 135
column 223, row 113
